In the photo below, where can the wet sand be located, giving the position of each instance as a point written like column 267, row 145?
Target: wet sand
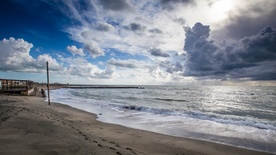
column 28, row 125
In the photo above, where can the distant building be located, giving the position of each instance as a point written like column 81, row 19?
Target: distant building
column 13, row 86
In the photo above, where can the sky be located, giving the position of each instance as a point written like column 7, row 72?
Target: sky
column 139, row 42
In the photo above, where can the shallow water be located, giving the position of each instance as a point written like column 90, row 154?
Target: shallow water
column 239, row 116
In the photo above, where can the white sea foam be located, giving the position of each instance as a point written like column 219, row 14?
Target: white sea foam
column 228, row 116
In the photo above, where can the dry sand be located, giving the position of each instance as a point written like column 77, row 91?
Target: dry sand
column 28, row 125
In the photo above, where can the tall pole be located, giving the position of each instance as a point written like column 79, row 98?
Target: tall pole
column 48, row 86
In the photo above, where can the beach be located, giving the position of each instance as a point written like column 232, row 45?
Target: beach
column 28, row 125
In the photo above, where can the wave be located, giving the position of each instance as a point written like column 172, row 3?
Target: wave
column 223, row 119
column 171, row 100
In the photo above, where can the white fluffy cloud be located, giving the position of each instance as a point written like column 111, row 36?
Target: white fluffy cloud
column 103, row 26
column 139, row 70
column 53, row 64
column 93, row 49
column 124, row 63
column 75, row 51
column 15, row 56
column 82, row 68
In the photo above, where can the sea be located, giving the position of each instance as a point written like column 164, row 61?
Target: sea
column 241, row 116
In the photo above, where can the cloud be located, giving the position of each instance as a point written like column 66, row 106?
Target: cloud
column 102, row 26
column 180, row 20
column 123, row 63
column 156, row 31
column 247, row 21
column 80, row 67
column 176, row 67
column 158, row 73
column 251, row 57
column 93, row 48
column 135, row 27
column 171, row 4
column 138, row 71
column 15, row 56
column 53, row 64
column 158, row 53
column 79, row 12
column 118, row 5
column 108, row 73
column 194, row 34
column 119, row 30
column 75, row 51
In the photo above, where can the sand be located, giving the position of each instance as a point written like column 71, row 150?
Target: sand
column 28, row 125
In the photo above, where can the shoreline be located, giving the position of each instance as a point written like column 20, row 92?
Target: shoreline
column 99, row 115
column 31, row 126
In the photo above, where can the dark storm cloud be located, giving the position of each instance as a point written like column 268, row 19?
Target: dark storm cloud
column 194, row 34
column 246, row 23
column 115, row 5
column 158, row 53
column 135, row 27
column 171, row 4
column 251, row 57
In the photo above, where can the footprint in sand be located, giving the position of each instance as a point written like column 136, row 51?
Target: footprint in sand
column 118, row 153
column 111, row 148
column 129, row 149
column 100, row 145
column 5, row 119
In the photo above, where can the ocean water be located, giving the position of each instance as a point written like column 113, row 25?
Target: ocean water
column 232, row 115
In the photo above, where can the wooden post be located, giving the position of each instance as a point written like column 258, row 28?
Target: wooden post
column 48, row 86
